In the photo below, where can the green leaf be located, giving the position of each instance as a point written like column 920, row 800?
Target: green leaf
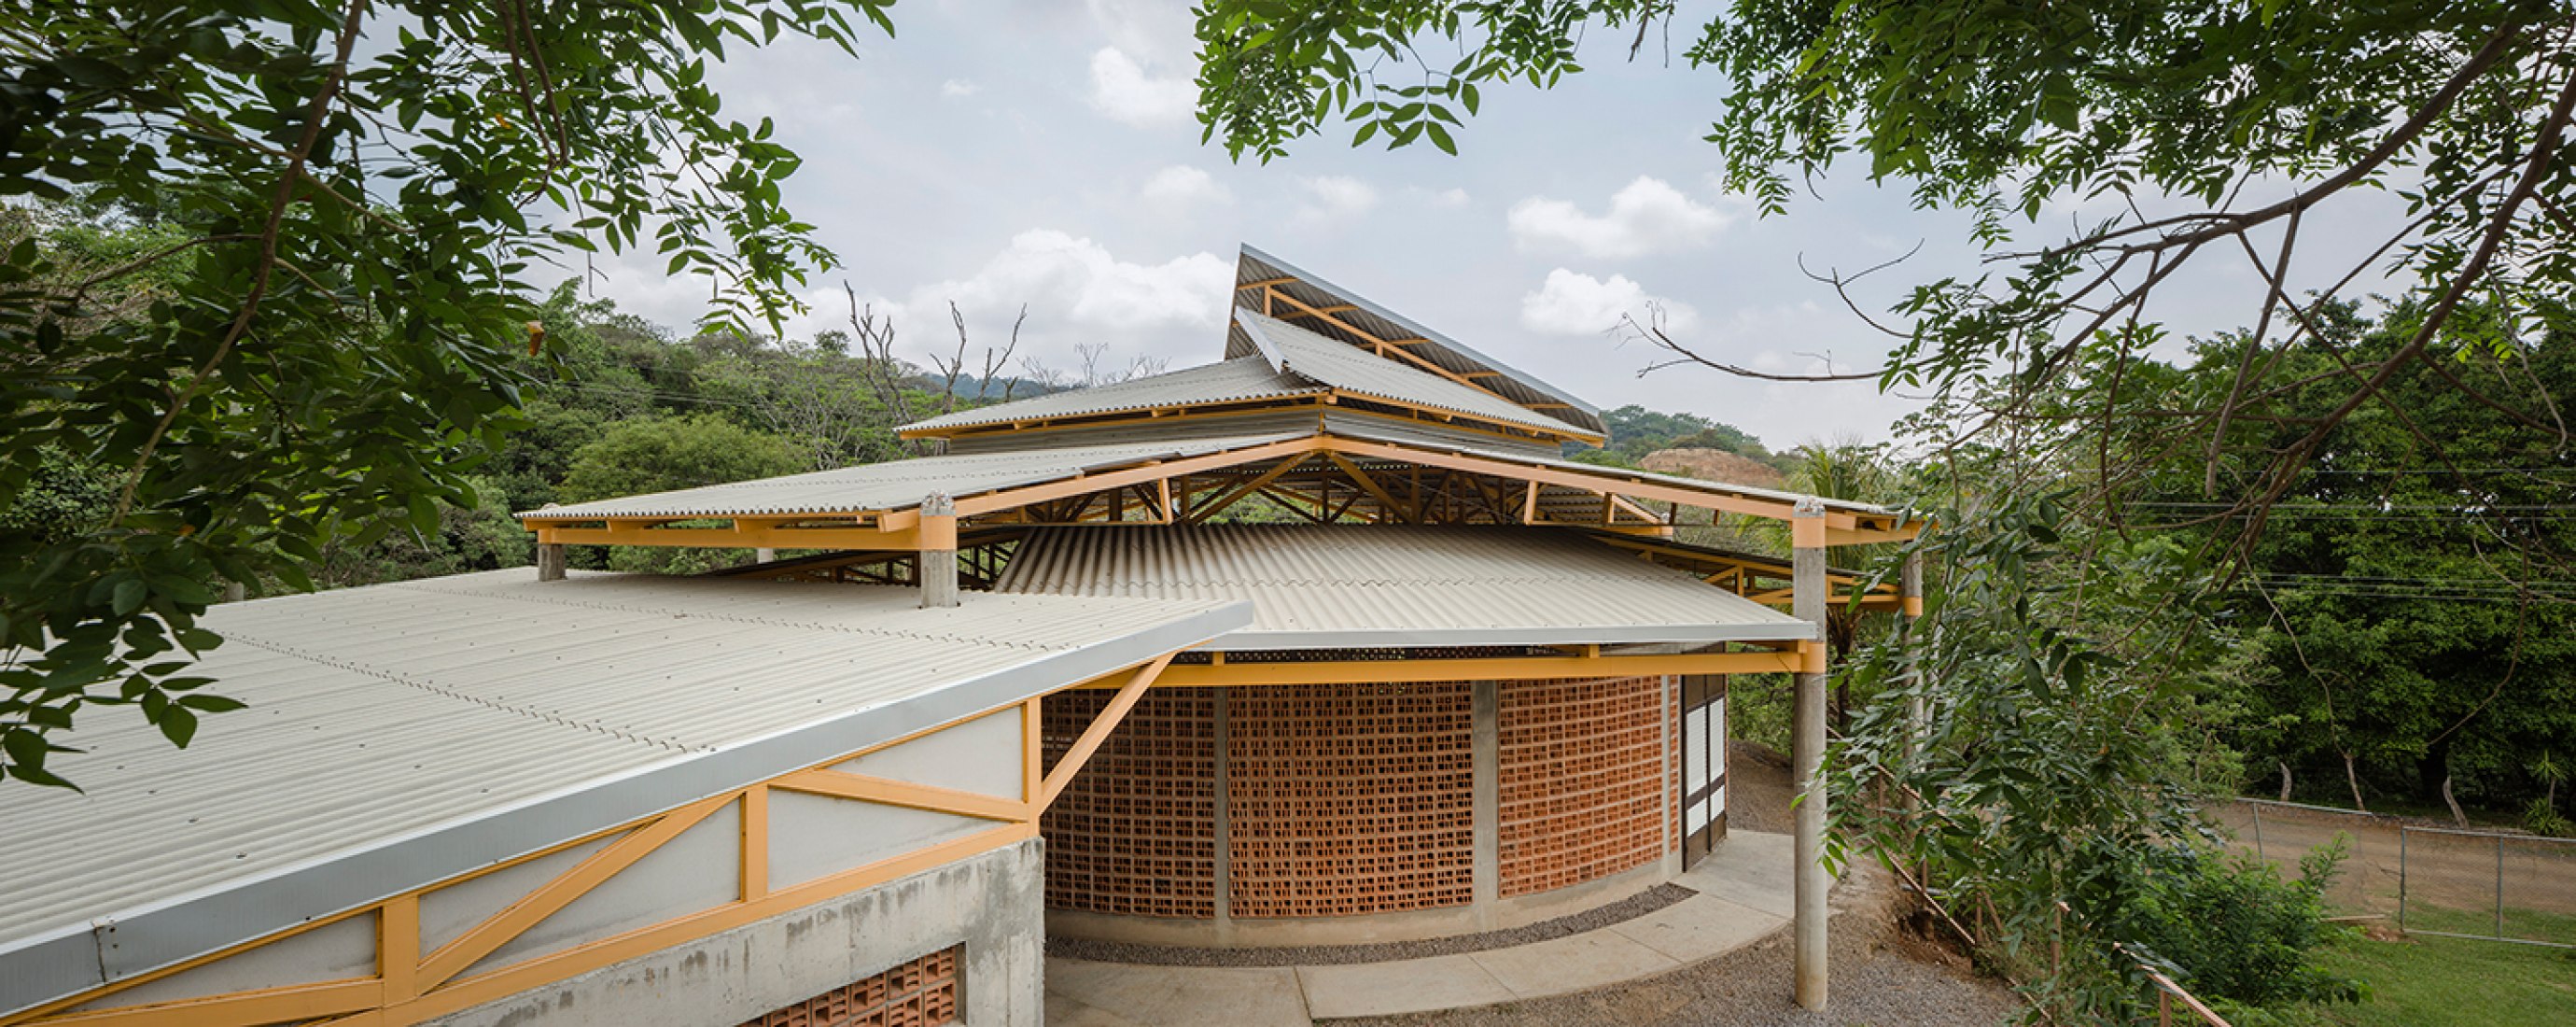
column 178, row 725
column 129, row 596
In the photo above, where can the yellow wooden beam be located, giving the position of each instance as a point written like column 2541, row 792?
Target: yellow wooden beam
column 398, row 947
column 288, row 1004
column 1099, row 730
column 845, row 785
column 1345, row 672
column 481, row 939
column 1236, row 494
column 755, row 843
column 1365, row 482
column 1584, row 481
column 626, row 533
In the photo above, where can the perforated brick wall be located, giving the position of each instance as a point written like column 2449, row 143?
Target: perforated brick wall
column 1583, row 786
column 1350, row 799
column 1134, row 833
column 921, row 993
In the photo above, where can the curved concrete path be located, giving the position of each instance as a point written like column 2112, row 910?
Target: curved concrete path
column 1744, row 896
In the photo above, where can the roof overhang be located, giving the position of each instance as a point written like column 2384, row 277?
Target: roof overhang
column 46, row 962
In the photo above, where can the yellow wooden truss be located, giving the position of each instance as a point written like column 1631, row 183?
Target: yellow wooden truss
column 410, row 986
column 1320, row 478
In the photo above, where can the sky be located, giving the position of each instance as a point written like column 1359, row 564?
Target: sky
column 1046, row 153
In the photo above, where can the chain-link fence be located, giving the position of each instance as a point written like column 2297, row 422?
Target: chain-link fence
column 2474, row 884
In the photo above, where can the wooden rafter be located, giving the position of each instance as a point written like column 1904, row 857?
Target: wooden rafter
column 1089, row 742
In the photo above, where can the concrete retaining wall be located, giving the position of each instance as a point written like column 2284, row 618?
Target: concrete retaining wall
column 992, row 904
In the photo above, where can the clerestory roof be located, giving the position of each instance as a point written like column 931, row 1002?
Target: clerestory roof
column 1256, row 270
column 1356, row 371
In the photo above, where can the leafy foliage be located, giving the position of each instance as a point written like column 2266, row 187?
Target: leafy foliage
column 298, row 318
column 2237, row 931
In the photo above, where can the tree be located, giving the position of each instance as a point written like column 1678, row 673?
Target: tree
column 2232, row 122
column 660, row 454
column 328, row 326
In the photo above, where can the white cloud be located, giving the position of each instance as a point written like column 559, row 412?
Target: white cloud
column 1338, row 196
column 1181, row 185
column 1122, row 90
column 958, row 88
column 1578, row 304
column 1449, row 198
column 1076, row 292
column 1647, row 216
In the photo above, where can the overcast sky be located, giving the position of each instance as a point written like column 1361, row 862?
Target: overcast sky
column 1046, row 153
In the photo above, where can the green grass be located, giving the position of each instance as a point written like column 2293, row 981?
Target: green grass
column 2529, row 924
column 2432, row 982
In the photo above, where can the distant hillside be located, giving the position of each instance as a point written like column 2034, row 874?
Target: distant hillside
column 1713, row 465
column 1636, row 432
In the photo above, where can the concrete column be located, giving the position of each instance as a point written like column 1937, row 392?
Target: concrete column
column 1809, row 602
column 1909, row 591
column 550, row 561
column 1224, row 827
column 764, row 555
column 938, row 548
column 1487, row 839
column 235, row 592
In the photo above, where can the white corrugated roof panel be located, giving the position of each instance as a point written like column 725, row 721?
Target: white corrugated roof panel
column 895, row 484
column 1378, row 586
column 1233, row 381
column 1252, row 265
column 401, row 734
column 1353, row 370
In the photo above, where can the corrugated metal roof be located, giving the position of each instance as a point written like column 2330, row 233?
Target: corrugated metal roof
column 1353, row 370
column 1378, row 586
column 895, row 484
column 1253, row 265
column 1231, row 381
column 402, row 734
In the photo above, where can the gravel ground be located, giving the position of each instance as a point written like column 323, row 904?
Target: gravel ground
column 1629, row 908
column 1885, row 974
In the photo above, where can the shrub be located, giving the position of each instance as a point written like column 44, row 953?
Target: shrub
column 2234, row 929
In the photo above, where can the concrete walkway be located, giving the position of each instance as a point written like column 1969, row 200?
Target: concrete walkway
column 1744, row 896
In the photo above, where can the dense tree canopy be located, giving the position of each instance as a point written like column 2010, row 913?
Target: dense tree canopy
column 309, row 319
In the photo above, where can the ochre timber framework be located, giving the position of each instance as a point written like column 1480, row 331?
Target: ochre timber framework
column 410, row 985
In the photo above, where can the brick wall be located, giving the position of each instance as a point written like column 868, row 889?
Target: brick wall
column 921, row 993
column 1347, row 800
column 1350, row 799
column 1583, row 786
column 1134, row 833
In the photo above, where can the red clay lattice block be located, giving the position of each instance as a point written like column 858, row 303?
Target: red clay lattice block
column 921, row 993
column 1134, row 833
column 1582, row 767
column 1350, row 799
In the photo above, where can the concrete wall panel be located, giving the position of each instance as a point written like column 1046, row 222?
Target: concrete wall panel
column 981, row 755
column 814, row 835
column 989, row 903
